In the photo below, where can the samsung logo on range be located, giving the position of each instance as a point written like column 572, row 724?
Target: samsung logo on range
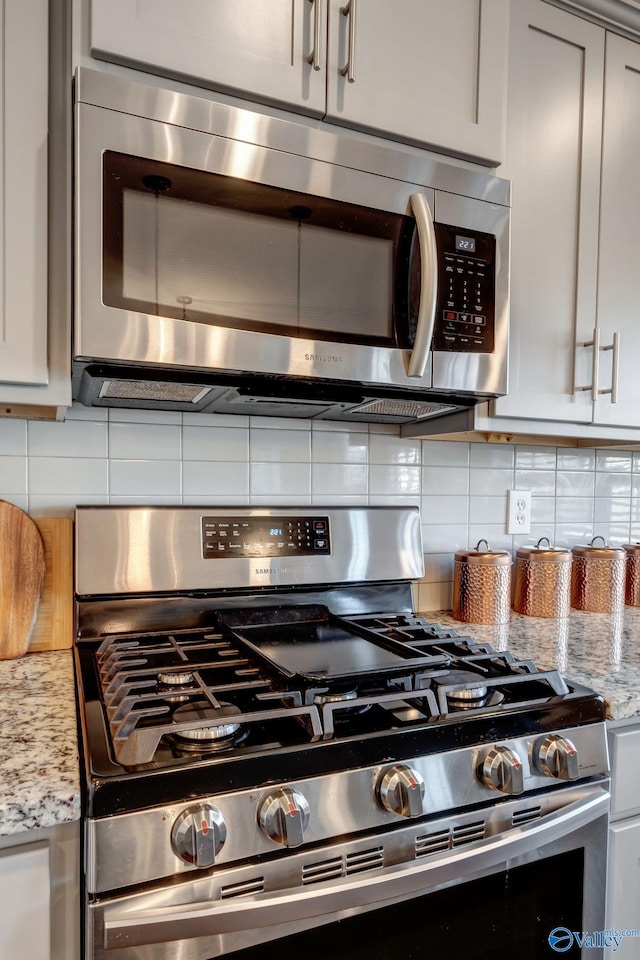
column 262, row 570
column 324, row 357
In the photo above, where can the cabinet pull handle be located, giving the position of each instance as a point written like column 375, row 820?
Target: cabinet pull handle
column 428, row 285
column 595, row 367
column 349, row 70
column 314, row 56
column 615, row 346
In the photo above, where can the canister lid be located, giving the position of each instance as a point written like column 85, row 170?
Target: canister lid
column 633, row 549
column 544, row 553
column 489, row 556
column 591, row 552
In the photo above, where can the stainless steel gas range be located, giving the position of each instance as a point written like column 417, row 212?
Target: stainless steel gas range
column 279, row 753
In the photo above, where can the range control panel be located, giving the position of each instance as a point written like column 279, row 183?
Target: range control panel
column 264, row 537
column 466, row 290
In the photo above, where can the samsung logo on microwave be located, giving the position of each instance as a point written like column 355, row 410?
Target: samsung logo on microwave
column 324, row 357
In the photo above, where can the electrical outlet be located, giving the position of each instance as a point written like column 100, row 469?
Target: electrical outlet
column 518, row 511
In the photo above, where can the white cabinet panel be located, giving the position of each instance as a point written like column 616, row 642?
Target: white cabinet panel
column 553, row 160
column 259, row 47
column 623, row 895
column 24, row 121
column 24, row 903
column 424, row 71
column 619, row 266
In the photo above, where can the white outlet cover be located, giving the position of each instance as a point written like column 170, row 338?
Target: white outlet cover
column 518, row 511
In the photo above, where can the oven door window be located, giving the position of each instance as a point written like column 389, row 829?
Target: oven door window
column 219, row 250
column 506, row 915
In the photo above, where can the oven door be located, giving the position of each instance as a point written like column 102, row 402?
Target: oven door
column 504, row 895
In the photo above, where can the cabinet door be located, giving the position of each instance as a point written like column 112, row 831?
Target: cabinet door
column 23, row 191
column 623, row 886
column 619, row 266
column 421, row 70
column 256, row 47
column 554, row 117
column 24, row 903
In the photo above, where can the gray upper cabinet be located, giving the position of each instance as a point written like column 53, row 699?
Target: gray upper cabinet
column 421, row 71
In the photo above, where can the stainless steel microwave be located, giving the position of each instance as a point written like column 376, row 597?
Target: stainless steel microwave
column 232, row 262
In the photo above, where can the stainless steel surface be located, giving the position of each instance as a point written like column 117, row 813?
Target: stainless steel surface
column 349, row 70
column 502, row 770
column 542, row 581
column 314, row 56
column 568, row 817
column 615, row 368
column 428, row 286
column 595, row 365
column 198, row 835
column 367, row 543
column 341, row 803
column 557, row 757
column 284, row 817
column 401, row 791
column 123, row 116
column 598, row 578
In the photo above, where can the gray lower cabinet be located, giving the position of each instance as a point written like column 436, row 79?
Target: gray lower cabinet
column 422, row 71
column 623, row 882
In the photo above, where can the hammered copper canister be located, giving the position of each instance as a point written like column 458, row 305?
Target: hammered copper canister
column 598, row 578
column 632, row 579
column 482, row 585
column 542, row 581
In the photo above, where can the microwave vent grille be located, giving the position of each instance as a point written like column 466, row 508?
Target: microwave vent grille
column 153, row 390
column 413, row 409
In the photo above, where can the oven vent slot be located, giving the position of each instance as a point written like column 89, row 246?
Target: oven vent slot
column 322, row 870
column 519, row 817
column 468, row 833
column 432, row 843
column 367, row 860
column 242, row 889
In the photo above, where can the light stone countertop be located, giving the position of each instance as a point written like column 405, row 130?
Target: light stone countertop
column 599, row 650
column 39, row 768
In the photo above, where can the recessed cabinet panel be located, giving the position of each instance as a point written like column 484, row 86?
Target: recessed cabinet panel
column 553, row 160
column 23, row 192
column 258, row 47
column 619, row 267
column 24, row 903
column 424, row 71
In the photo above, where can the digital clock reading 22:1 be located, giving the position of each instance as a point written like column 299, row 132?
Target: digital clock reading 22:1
column 466, row 244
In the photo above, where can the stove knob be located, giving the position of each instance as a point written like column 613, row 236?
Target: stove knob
column 501, row 770
column 284, row 816
column 401, row 791
column 556, row 757
column 198, row 835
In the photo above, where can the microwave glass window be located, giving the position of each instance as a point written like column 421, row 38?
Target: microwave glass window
column 218, row 250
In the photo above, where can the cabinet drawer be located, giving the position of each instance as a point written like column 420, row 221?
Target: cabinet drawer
column 624, row 747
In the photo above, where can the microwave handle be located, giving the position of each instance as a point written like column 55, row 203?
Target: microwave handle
column 428, row 287
column 126, row 927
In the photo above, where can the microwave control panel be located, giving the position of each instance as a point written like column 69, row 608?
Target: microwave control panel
column 224, row 537
column 465, row 306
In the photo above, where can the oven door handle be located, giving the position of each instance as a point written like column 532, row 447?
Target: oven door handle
column 428, row 285
column 128, row 926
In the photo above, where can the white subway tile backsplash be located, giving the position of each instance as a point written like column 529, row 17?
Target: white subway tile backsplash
column 542, row 483
column 445, row 537
column 393, row 500
column 615, row 534
column 279, row 423
column 434, row 596
column 487, row 510
column 403, row 480
column 340, row 479
column 121, row 415
column 493, row 533
column 612, row 510
column 339, row 447
column 60, row 505
column 537, row 531
column 438, row 567
column 575, row 510
column 215, row 420
column 13, row 475
column 336, row 500
column 490, row 482
column 79, row 412
column 392, row 429
column 535, row 458
column 85, row 438
column 280, row 479
column 144, row 441
column 616, row 462
column 543, row 510
column 219, row 500
column 13, row 438
column 613, row 485
column 386, row 449
column 445, row 509
column 139, row 478
column 453, row 480
column 337, row 426
column 289, row 446
column 492, row 455
column 215, row 443
column 209, row 480
column 59, row 476
column 445, row 453
column 572, row 483
column 576, row 459
column 570, row 534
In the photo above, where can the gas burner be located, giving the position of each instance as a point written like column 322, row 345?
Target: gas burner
column 337, row 695
column 183, row 679
column 466, row 690
column 334, row 696
column 207, row 738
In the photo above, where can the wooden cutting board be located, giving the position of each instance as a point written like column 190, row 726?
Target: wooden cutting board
column 53, row 629
column 22, row 568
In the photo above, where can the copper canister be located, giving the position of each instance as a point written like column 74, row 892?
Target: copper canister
column 598, row 578
column 482, row 585
column 632, row 579
column 542, row 581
